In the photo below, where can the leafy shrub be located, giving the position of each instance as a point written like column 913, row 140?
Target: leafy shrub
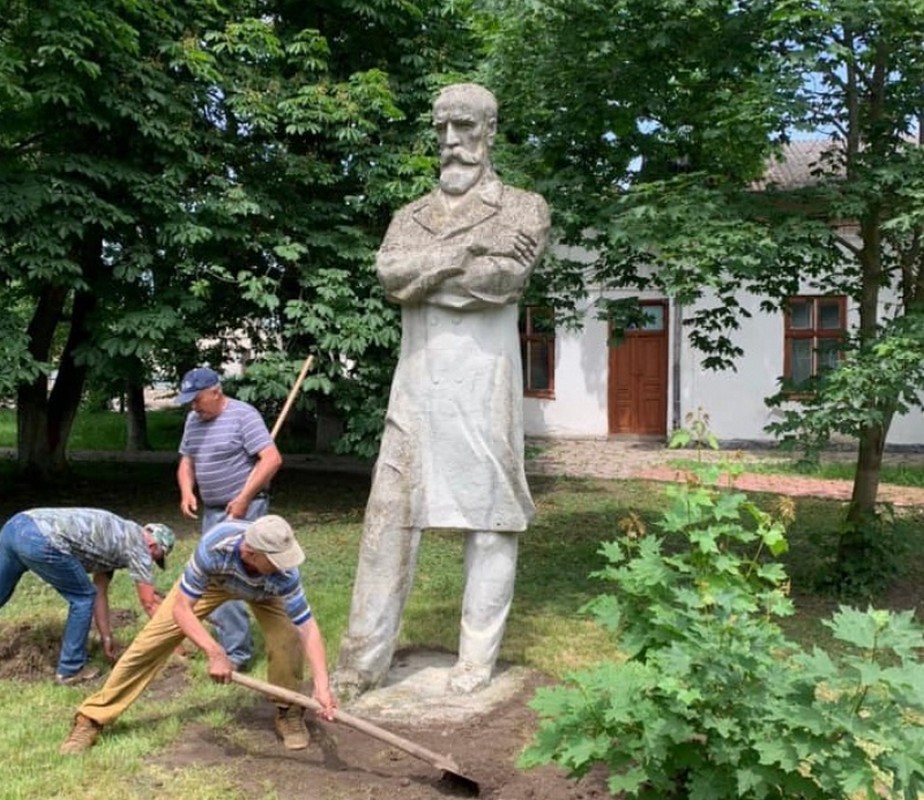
column 712, row 701
column 870, row 554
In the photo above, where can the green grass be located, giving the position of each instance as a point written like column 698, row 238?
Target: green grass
column 545, row 631
column 897, row 474
column 911, row 474
column 107, row 431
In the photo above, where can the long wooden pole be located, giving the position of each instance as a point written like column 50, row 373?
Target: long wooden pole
column 309, row 363
column 438, row 760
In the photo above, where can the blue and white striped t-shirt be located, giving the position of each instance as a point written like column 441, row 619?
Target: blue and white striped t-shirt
column 217, row 562
column 224, row 450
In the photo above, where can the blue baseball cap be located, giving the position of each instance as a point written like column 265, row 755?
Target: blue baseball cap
column 194, row 382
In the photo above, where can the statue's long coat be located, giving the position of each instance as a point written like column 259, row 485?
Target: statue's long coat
column 452, row 451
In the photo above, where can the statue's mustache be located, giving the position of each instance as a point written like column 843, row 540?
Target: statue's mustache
column 458, row 156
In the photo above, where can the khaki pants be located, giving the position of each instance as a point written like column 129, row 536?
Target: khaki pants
column 157, row 640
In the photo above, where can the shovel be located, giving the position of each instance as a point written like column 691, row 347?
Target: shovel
column 293, row 392
column 451, row 773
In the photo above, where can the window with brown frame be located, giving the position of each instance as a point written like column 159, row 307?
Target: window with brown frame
column 815, row 327
column 537, row 348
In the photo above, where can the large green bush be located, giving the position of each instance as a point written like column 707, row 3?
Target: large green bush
column 712, row 701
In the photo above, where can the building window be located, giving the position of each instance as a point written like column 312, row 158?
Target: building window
column 815, row 330
column 537, row 348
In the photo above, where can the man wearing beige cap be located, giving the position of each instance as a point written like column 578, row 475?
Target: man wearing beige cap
column 252, row 561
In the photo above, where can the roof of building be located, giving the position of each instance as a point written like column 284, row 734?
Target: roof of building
column 800, row 164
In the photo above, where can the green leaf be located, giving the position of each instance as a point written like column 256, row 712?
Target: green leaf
column 777, row 753
column 629, row 781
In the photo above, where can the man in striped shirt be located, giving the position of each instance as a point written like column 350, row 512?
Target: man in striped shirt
column 228, row 454
column 63, row 547
column 253, row 561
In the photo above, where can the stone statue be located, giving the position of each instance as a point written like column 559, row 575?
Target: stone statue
column 457, row 262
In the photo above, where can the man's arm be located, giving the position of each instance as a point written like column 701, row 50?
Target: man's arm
column 412, row 262
column 410, row 274
column 220, row 666
column 269, row 460
column 315, row 653
column 148, row 598
column 186, row 480
column 101, row 614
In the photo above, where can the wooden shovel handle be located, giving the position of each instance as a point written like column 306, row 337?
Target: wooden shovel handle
column 293, row 392
column 436, row 759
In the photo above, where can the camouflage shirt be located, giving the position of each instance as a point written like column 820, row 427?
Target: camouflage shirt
column 99, row 540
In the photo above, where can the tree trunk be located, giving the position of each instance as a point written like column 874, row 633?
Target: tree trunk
column 852, row 545
column 44, row 421
column 866, row 479
column 32, row 429
column 32, row 450
column 136, row 420
column 851, row 551
column 64, row 401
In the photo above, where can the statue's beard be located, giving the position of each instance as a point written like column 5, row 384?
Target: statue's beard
column 458, row 178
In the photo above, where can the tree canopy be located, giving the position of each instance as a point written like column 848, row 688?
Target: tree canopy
column 174, row 173
column 649, row 124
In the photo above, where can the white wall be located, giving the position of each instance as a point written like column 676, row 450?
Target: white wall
column 579, row 408
column 734, row 400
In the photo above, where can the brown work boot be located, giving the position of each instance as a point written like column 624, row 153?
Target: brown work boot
column 83, row 676
column 82, row 736
column 290, row 727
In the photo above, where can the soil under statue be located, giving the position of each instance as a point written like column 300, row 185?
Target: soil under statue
column 457, row 262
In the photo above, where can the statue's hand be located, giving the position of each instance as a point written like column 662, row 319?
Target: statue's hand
column 524, row 248
column 509, row 243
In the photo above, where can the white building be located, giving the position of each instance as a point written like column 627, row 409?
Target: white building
column 580, row 386
column 648, row 384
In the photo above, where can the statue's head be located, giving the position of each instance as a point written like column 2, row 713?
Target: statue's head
column 465, row 118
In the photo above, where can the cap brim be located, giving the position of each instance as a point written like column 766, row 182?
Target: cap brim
column 186, row 397
column 287, row 559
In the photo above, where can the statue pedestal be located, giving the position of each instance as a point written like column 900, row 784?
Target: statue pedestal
column 415, row 691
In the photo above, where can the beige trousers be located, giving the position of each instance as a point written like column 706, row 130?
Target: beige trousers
column 157, row 640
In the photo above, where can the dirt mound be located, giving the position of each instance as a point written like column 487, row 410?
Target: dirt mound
column 29, row 652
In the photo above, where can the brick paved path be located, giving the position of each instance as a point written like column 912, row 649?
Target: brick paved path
column 608, row 458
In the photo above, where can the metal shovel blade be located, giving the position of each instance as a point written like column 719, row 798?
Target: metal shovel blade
column 451, row 773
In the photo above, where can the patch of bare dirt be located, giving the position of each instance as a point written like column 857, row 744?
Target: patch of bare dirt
column 30, row 652
column 345, row 763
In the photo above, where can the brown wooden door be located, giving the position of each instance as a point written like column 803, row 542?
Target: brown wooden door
column 638, row 377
